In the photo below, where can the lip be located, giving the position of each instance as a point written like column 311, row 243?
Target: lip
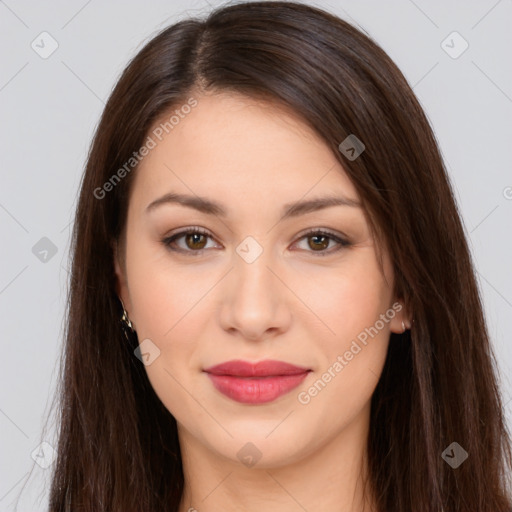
column 256, row 383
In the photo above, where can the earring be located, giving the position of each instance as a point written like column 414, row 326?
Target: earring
column 406, row 327
column 126, row 322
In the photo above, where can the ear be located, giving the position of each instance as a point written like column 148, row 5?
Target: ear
column 401, row 315
column 120, row 275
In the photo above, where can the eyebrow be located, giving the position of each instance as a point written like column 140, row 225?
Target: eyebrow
column 294, row 209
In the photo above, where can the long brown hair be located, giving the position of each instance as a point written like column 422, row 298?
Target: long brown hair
column 118, row 447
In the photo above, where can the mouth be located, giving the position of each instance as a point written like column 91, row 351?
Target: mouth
column 255, row 383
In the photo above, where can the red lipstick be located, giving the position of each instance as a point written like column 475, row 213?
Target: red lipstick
column 256, row 383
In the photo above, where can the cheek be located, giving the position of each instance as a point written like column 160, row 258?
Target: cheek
column 347, row 299
column 167, row 306
column 350, row 362
column 162, row 292
column 354, row 342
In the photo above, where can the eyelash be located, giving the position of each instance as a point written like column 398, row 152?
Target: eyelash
column 200, row 231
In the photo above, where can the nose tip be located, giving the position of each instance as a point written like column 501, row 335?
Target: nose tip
column 254, row 301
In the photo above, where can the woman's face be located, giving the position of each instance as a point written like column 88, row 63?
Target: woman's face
column 257, row 286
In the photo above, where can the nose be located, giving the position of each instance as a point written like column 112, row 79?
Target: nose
column 255, row 302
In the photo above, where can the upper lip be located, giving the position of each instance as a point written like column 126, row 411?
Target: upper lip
column 268, row 367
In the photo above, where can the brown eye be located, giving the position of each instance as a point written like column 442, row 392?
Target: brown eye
column 319, row 242
column 195, row 241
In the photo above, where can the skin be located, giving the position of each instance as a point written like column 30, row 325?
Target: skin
column 290, row 304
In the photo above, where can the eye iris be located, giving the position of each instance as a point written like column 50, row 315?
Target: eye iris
column 322, row 245
column 192, row 236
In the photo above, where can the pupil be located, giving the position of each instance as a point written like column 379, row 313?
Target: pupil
column 194, row 239
column 319, row 237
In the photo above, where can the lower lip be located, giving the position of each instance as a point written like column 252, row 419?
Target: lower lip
column 256, row 390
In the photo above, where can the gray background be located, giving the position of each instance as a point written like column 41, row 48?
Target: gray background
column 49, row 109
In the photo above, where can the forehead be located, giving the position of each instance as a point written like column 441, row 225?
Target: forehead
column 237, row 148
